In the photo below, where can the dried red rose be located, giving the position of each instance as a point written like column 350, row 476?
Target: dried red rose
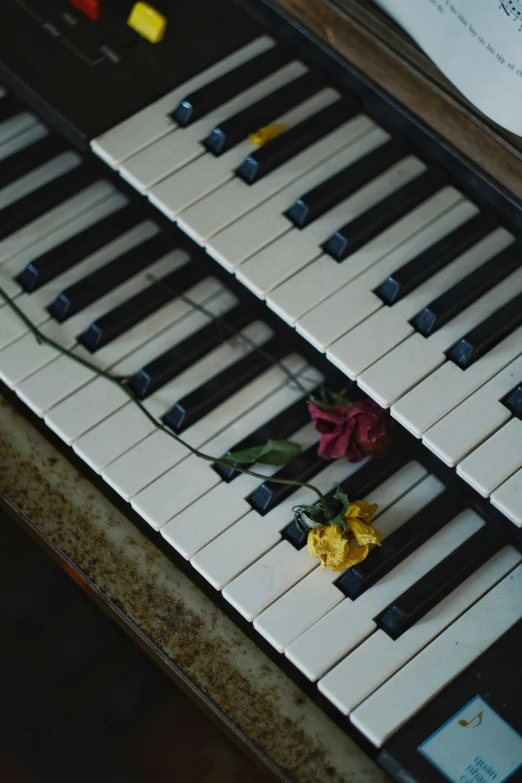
column 351, row 432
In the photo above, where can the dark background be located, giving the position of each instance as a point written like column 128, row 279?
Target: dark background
column 79, row 701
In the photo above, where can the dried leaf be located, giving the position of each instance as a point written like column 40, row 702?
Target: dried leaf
column 273, row 452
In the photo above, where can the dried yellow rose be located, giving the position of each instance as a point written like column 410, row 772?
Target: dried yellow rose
column 337, row 552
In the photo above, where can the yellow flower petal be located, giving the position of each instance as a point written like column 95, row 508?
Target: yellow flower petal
column 361, row 509
column 267, row 133
column 364, row 533
column 328, row 545
column 334, row 551
column 356, row 555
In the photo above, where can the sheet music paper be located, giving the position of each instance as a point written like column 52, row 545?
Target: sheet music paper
column 477, row 44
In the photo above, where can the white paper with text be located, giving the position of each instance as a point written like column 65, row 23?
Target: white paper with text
column 477, row 44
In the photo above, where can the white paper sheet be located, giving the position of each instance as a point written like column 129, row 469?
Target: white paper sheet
column 477, row 44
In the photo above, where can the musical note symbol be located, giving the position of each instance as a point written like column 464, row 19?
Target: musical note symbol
column 470, row 722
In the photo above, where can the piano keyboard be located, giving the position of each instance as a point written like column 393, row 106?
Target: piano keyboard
column 373, row 256
column 380, row 261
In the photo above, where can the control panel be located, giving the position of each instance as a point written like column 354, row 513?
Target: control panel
column 85, row 65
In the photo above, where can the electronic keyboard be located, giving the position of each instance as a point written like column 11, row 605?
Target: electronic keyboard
column 355, row 249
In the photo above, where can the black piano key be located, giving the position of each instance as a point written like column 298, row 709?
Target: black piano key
column 487, row 334
column 495, row 677
column 122, row 318
column 30, row 158
column 186, row 353
column 234, row 129
column 396, row 547
column 434, row 258
column 92, row 287
column 292, row 142
column 513, row 401
column 280, row 427
column 438, row 583
column 231, row 84
column 204, row 399
column 332, row 191
column 303, row 468
column 378, row 218
column 358, row 485
column 9, row 107
column 468, row 290
column 69, row 253
column 33, row 205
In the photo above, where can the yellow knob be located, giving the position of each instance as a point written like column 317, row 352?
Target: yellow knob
column 147, row 22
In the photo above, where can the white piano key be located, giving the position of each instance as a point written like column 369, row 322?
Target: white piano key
column 271, row 576
column 508, row 498
column 113, row 436
column 49, row 386
column 418, row 356
column 29, row 136
column 350, row 622
column 171, row 152
column 84, row 408
column 38, row 177
column 287, row 255
column 437, row 665
column 153, row 122
column 138, row 346
column 16, row 365
column 187, row 186
column 225, row 503
column 157, row 503
column 22, row 357
column 266, row 221
column 15, row 126
column 143, row 463
column 146, row 461
column 449, row 385
column 299, row 608
column 17, row 263
column 179, row 319
column 31, row 238
column 248, row 539
column 66, row 333
column 495, row 460
column 137, row 339
column 234, row 199
column 471, row 422
column 349, row 285
column 378, row 658
column 152, row 403
column 389, row 326
column 196, row 482
column 11, row 326
column 39, row 300
column 207, row 517
column 295, row 611
column 229, row 352
column 52, row 383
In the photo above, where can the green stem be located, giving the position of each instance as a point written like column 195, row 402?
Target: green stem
column 41, row 338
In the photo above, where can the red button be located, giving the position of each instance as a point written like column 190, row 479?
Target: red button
column 91, row 8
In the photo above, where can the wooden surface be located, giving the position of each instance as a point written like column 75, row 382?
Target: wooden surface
column 357, row 32
column 193, row 641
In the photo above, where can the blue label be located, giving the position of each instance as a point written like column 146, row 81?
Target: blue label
column 475, row 746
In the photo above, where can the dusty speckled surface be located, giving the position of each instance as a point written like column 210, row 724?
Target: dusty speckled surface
column 197, row 642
